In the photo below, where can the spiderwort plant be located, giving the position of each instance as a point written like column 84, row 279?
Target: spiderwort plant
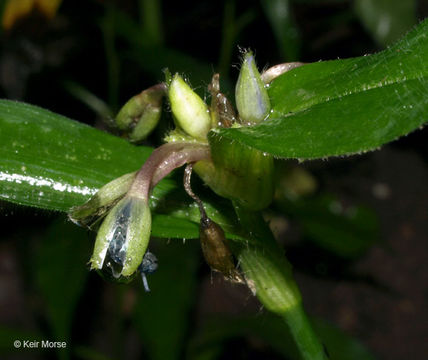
column 332, row 108
column 245, row 177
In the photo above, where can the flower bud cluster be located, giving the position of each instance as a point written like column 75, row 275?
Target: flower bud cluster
column 123, row 236
column 195, row 118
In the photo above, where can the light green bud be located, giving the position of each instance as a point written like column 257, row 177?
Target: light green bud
column 123, row 237
column 190, row 111
column 252, row 99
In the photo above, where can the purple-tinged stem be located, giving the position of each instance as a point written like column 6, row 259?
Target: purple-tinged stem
column 162, row 161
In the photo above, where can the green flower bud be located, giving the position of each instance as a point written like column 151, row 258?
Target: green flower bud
column 123, row 237
column 98, row 205
column 140, row 115
column 252, row 99
column 190, row 111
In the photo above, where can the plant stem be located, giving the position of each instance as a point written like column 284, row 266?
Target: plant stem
column 270, row 275
column 307, row 343
column 162, row 161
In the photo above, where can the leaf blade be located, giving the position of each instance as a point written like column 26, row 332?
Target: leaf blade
column 52, row 162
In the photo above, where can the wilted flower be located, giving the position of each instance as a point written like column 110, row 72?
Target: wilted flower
column 123, row 237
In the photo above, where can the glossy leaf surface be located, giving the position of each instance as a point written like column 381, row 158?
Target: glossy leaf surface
column 52, row 162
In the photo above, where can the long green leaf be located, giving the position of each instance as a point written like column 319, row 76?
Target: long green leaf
column 344, row 107
column 52, row 162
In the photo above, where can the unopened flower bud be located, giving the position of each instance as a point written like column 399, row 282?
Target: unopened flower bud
column 102, row 201
column 252, row 99
column 140, row 115
column 190, row 111
column 123, row 237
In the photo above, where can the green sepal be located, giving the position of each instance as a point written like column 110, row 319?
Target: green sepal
column 239, row 173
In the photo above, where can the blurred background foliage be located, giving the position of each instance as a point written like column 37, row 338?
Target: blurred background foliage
column 342, row 223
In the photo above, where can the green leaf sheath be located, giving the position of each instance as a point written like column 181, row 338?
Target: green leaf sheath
column 343, row 107
column 270, row 274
